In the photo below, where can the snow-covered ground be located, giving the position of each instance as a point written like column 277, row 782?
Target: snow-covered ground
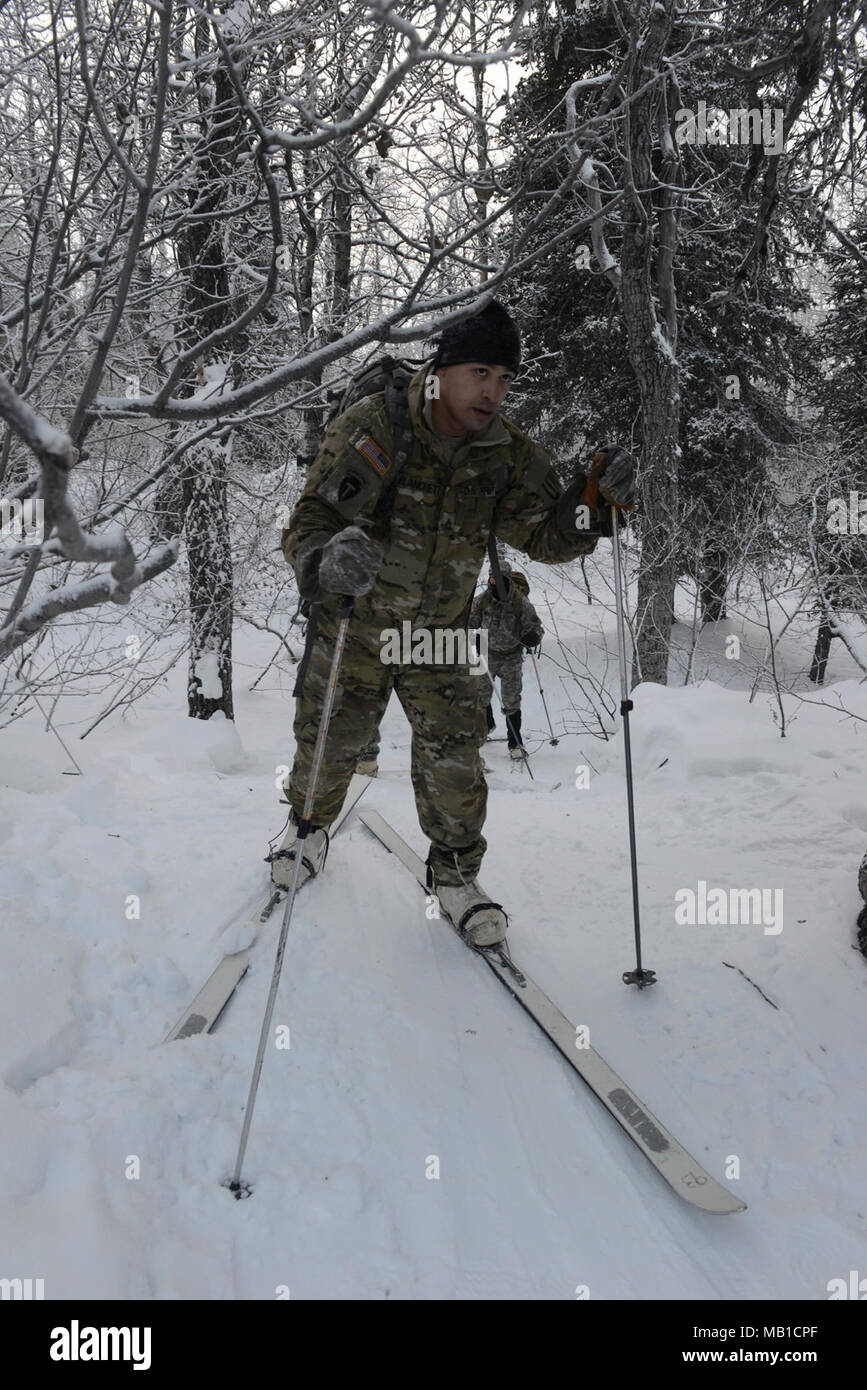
column 116, row 885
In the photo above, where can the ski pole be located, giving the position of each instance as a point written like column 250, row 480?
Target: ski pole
column 639, row 976
column 552, row 739
column 344, row 613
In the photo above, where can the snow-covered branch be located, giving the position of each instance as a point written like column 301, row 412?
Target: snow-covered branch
column 54, row 451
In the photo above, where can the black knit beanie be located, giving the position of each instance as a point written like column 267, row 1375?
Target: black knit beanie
column 489, row 337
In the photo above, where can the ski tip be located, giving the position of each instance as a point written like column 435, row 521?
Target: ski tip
column 717, row 1202
column 731, row 1210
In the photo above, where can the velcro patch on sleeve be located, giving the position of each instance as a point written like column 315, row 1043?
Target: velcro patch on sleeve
column 368, row 447
column 541, row 476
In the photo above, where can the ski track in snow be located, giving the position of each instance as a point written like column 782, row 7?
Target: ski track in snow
column 118, row 884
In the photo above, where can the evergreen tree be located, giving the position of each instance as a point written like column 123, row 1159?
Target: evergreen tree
column 742, row 354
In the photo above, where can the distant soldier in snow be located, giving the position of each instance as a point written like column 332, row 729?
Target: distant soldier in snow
column 513, row 627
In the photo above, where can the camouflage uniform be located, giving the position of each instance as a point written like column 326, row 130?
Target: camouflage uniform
column 504, row 622
column 449, row 495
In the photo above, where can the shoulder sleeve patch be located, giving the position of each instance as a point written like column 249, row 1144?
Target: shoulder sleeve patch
column 369, row 449
column 350, row 487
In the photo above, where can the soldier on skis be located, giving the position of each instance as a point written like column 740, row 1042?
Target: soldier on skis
column 513, row 627
column 461, row 471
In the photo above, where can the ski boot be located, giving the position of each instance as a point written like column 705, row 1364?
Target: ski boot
column 282, row 861
column 516, row 747
column 484, row 923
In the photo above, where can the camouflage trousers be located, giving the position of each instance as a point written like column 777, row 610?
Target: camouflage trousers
column 447, row 719
column 510, row 671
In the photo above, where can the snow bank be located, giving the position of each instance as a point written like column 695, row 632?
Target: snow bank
column 118, row 894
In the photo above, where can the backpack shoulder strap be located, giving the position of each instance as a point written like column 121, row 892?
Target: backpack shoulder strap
column 502, row 479
column 400, row 423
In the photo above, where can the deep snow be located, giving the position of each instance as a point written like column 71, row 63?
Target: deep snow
column 403, row 1047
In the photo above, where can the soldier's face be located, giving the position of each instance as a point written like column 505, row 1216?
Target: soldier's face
column 471, row 393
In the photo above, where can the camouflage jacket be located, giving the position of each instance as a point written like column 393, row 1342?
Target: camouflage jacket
column 506, row 622
column 440, row 517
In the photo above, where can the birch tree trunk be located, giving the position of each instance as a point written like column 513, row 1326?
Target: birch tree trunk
column 209, row 556
column 206, row 307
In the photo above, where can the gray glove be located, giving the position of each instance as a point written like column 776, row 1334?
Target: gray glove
column 611, row 480
column 350, row 562
column 614, row 470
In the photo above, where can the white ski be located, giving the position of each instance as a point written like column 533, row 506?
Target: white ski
column 679, row 1169
column 202, row 1013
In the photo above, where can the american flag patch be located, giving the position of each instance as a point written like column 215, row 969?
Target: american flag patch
column 372, row 452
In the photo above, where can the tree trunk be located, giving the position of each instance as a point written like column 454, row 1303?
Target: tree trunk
column 821, row 652
column 649, row 245
column 713, row 585
column 196, row 496
column 658, row 568
column 167, row 507
column 312, row 427
column 304, row 280
column 209, row 683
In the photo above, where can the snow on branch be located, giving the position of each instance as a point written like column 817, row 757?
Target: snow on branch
column 55, row 453
column 86, row 593
column 589, row 178
column 388, row 328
